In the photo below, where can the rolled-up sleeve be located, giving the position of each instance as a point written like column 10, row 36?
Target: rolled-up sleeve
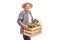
column 20, row 18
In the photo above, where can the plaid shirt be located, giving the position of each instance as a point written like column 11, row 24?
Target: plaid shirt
column 23, row 18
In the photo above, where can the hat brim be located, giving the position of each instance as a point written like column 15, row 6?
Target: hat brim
column 23, row 6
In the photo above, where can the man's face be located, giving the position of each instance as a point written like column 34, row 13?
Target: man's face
column 27, row 7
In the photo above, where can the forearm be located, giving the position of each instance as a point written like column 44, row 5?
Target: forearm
column 22, row 25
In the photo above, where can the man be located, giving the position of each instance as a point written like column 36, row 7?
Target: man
column 24, row 17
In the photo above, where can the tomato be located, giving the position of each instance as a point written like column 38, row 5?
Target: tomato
column 33, row 25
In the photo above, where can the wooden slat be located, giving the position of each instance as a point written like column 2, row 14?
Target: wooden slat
column 32, row 32
column 38, row 27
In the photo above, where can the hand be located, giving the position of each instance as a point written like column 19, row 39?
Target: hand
column 25, row 26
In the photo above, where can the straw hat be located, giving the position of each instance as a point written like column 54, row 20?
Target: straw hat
column 23, row 6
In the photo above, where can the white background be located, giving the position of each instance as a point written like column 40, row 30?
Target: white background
column 48, row 11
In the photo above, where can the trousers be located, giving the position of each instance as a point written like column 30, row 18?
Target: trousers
column 26, row 37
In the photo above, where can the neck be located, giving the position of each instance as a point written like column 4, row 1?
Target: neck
column 27, row 11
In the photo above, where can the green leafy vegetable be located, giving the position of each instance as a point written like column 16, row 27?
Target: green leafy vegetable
column 35, row 21
column 29, row 24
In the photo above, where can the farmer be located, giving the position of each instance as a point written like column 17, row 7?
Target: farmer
column 25, row 16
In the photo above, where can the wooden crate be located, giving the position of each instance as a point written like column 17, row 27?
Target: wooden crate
column 33, row 31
